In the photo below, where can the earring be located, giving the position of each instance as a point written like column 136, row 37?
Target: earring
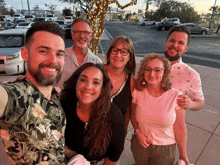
column 129, row 63
column 143, row 83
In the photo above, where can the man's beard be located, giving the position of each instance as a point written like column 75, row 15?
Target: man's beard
column 43, row 80
column 173, row 58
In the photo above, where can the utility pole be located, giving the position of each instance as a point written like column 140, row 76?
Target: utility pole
column 213, row 10
column 22, row 4
column 28, row 7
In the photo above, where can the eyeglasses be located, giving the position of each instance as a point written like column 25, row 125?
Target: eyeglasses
column 156, row 70
column 85, row 33
column 124, row 52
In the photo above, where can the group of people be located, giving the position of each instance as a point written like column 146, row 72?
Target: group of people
column 70, row 108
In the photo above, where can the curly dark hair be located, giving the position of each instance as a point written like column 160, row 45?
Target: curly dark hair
column 99, row 127
column 131, row 64
column 43, row 26
column 165, row 83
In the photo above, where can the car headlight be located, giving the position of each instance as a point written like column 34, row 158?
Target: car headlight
column 11, row 57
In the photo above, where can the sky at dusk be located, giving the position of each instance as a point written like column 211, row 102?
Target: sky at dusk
column 200, row 5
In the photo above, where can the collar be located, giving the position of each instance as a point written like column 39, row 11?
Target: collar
column 178, row 64
column 32, row 89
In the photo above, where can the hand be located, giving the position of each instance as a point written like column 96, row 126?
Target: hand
column 183, row 101
column 186, row 160
column 143, row 140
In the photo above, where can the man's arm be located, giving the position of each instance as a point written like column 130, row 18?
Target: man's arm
column 3, row 100
column 185, row 102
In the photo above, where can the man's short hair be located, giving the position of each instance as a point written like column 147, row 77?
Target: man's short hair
column 81, row 19
column 180, row 29
column 43, row 26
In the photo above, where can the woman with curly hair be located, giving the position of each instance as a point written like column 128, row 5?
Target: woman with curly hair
column 95, row 127
column 121, row 65
column 158, row 121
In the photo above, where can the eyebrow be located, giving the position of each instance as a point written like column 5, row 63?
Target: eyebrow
column 94, row 78
column 48, row 48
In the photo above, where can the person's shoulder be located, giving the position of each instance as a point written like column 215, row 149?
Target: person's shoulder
column 93, row 58
column 68, row 51
column 189, row 70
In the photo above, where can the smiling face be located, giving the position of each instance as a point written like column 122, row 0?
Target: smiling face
column 89, row 85
column 117, row 60
column 176, row 45
column 45, row 58
column 155, row 76
column 81, row 40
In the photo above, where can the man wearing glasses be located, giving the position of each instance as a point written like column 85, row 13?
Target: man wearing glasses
column 79, row 53
column 184, row 78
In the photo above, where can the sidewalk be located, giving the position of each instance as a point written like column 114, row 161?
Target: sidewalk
column 203, row 126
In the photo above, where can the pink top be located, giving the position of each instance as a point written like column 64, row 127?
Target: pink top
column 156, row 116
column 186, row 80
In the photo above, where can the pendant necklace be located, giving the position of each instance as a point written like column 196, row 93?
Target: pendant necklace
column 86, row 124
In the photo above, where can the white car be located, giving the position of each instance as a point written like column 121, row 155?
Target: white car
column 146, row 22
column 68, row 19
column 17, row 17
column 24, row 25
column 50, row 17
column 29, row 17
column 11, row 42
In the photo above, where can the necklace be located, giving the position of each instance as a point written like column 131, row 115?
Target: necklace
column 86, row 124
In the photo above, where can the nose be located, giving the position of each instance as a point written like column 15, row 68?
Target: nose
column 152, row 72
column 52, row 58
column 89, row 85
column 175, row 44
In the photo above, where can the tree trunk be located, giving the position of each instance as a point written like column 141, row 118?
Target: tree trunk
column 218, row 28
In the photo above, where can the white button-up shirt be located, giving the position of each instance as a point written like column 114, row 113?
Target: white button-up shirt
column 71, row 64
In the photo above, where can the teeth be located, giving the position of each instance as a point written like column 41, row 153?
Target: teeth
column 51, row 69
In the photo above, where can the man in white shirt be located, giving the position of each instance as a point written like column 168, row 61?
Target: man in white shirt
column 79, row 53
column 183, row 77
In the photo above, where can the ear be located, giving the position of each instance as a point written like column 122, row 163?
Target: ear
column 186, row 48
column 24, row 54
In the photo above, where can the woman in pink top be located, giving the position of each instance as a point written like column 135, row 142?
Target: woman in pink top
column 158, row 121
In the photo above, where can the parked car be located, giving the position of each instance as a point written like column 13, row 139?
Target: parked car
column 4, row 18
column 166, row 24
column 51, row 17
column 11, row 42
column 174, row 20
column 6, row 25
column 24, row 25
column 17, row 16
column 196, row 29
column 67, row 30
column 61, row 23
column 29, row 17
column 146, row 22
column 16, row 22
column 39, row 19
column 68, row 19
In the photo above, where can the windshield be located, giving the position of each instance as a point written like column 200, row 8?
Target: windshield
column 16, row 15
column 60, row 22
column 68, row 17
column 23, row 24
column 7, row 41
column 49, row 15
column 28, row 16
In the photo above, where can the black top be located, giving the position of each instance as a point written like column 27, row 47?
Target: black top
column 124, row 98
column 74, row 133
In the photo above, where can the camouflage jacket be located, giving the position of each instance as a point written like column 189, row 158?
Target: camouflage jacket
column 32, row 129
